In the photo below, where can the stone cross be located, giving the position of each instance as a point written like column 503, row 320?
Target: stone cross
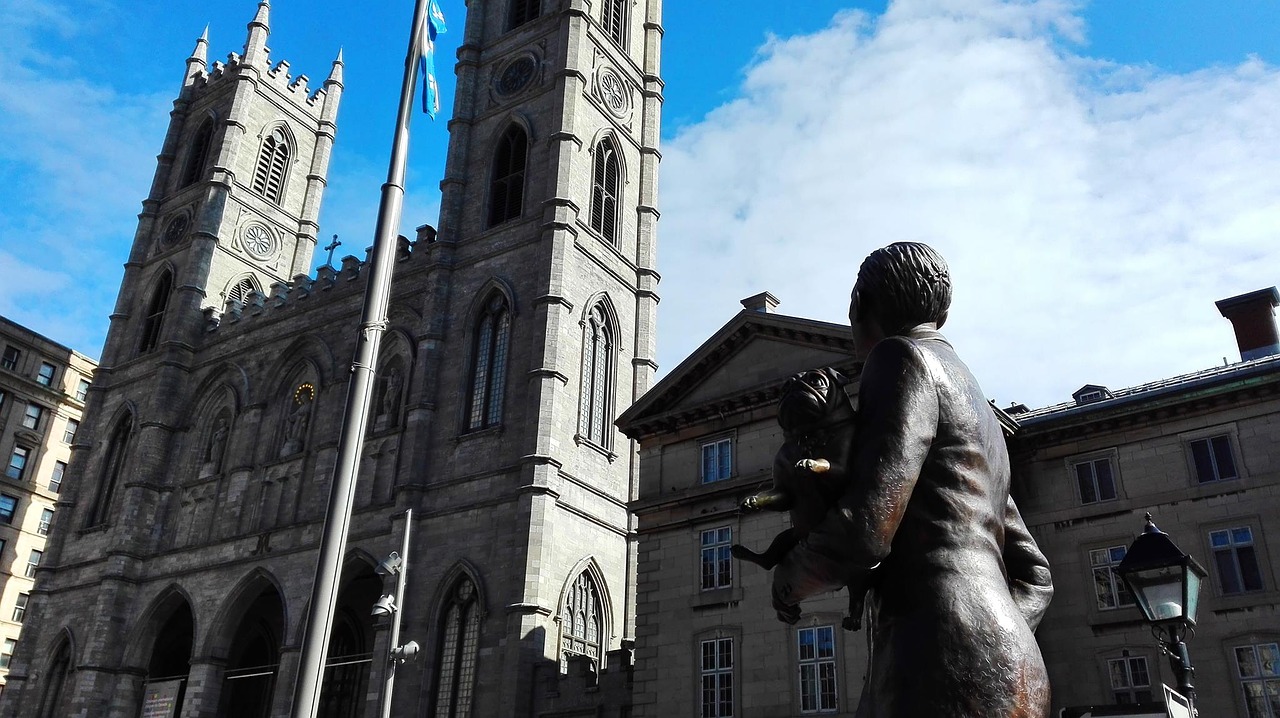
column 330, row 247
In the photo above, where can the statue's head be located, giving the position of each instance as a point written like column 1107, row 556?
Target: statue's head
column 899, row 287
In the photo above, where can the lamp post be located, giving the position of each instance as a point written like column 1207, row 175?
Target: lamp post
column 1165, row 581
column 396, row 564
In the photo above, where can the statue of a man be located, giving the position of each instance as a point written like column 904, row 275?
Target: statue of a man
column 959, row 585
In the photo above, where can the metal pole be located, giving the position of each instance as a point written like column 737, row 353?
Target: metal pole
column 401, row 577
column 337, row 523
column 1180, row 661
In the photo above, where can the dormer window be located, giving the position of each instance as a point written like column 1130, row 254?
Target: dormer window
column 1090, row 393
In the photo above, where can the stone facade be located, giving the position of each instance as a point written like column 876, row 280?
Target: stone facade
column 1198, row 451
column 515, row 332
column 43, row 387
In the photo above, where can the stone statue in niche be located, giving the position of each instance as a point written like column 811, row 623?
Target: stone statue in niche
column 927, row 529
column 297, row 421
column 216, row 447
column 390, row 398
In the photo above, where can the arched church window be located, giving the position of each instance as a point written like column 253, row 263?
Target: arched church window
column 594, row 420
column 522, row 11
column 459, row 633
column 506, row 188
column 613, row 17
column 54, row 697
column 605, row 183
column 154, row 319
column 489, row 372
column 241, row 290
column 273, row 165
column 112, row 467
column 580, row 620
column 198, row 155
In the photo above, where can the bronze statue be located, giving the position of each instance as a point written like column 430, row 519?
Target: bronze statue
column 958, row 585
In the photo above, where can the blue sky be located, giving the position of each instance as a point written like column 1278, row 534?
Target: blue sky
column 1097, row 173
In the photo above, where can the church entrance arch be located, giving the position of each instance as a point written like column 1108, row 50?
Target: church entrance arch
column 170, row 663
column 346, row 677
column 253, row 659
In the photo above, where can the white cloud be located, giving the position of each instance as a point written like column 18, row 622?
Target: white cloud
column 1091, row 213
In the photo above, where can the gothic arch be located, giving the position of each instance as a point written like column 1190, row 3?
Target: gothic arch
column 599, row 372
column 461, row 567
column 602, row 299
column 199, row 149
column 611, row 134
column 147, row 628
column 591, row 569
column 225, row 376
column 293, row 400
column 481, row 296
column 161, row 288
column 308, row 349
column 122, row 428
column 458, row 613
column 221, row 630
column 59, row 663
column 240, row 288
column 277, row 153
column 488, row 341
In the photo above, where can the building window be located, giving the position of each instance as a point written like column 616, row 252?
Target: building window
column 6, row 653
column 82, row 390
column 506, row 186
column 69, row 434
column 198, row 156
column 1107, row 585
column 10, row 360
column 580, row 623
column 613, row 17
column 1258, row 667
column 1213, row 459
column 273, row 166
column 17, row 468
column 1130, row 682
column 717, row 678
column 33, row 562
column 817, row 653
column 55, row 481
column 1095, row 480
column 46, row 521
column 112, row 468
column 716, row 559
column 20, row 607
column 241, row 290
column 595, row 420
column 45, row 376
column 8, row 506
column 456, row 668
column 1236, row 560
column 717, row 460
column 522, row 11
column 31, row 417
column 489, row 373
column 154, row 318
column 605, row 184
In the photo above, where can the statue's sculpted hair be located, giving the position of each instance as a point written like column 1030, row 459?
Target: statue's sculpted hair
column 905, row 284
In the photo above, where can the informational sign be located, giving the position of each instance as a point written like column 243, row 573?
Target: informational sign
column 161, row 699
column 1176, row 705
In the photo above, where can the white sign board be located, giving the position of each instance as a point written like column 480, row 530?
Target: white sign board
column 1175, row 704
column 160, row 699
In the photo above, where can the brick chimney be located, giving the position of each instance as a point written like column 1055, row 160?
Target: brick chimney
column 763, row 302
column 1254, row 319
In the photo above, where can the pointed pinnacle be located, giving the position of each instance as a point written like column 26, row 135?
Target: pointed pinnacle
column 335, row 75
column 263, row 16
column 201, row 52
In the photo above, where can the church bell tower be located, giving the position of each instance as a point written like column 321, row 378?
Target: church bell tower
column 236, row 193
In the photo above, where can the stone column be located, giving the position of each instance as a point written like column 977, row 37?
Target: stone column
column 204, row 687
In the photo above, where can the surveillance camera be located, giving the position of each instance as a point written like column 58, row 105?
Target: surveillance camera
column 384, row 606
column 407, row 652
column 390, row 565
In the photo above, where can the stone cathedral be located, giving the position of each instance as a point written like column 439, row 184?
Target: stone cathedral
column 184, row 548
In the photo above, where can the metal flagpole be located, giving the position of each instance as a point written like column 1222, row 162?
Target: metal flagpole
column 355, row 420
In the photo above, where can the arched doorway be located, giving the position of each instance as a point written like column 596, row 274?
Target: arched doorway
column 170, row 663
column 55, row 699
column 346, row 676
column 253, row 659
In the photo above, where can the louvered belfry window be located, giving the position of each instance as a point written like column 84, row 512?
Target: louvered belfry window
column 522, row 11
column 198, row 157
column 506, row 189
column 489, row 373
column 614, row 19
column 154, row 318
column 273, row 166
column 604, row 191
column 594, row 422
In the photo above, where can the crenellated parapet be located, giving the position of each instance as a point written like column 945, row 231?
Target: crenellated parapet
column 586, row 688
column 328, row 284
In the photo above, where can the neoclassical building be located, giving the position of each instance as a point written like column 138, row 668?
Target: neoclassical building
column 185, row 546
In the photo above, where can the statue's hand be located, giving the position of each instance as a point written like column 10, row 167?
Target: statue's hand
column 817, row 466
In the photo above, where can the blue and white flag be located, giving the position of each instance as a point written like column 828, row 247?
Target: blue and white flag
column 427, row 58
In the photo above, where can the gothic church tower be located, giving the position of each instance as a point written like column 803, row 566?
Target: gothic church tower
column 182, row 561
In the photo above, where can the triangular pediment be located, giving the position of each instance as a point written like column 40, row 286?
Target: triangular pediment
column 746, row 361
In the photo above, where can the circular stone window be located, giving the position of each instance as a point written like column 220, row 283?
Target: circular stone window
column 515, row 76
column 614, row 93
column 258, row 241
column 176, row 228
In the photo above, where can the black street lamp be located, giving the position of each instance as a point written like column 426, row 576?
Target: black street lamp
column 1165, row 581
